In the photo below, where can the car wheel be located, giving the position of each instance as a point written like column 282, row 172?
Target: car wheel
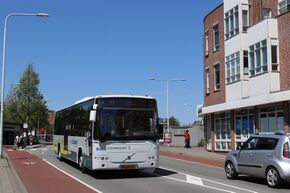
column 273, row 178
column 230, row 170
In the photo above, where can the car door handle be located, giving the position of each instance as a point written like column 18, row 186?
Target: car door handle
column 250, row 155
column 268, row 155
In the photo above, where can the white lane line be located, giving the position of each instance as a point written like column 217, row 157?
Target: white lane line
column 215, row 182
column 209, row 187
column 235, row 187
column 94, row 189
column 191, row 162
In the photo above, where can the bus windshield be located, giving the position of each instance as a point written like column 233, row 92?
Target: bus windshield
column 118, row 123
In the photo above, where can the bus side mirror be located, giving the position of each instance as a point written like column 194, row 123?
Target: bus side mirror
column 93, row 114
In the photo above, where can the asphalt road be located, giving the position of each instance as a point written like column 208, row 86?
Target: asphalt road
column 173, row 176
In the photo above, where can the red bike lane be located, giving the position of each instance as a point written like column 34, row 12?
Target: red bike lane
column 40, row 177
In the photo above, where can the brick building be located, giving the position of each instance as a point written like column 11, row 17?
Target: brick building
column 246, row 71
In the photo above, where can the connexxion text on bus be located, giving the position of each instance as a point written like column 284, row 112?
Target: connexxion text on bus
column 109, row 132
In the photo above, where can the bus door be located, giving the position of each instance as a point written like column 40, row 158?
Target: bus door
column 65, row 140
column 88, row 144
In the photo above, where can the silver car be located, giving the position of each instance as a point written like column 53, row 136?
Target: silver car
column 264, row 155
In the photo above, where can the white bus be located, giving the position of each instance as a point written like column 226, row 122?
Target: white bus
column 109, row 132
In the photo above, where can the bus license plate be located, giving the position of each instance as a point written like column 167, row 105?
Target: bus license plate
column 128, row 167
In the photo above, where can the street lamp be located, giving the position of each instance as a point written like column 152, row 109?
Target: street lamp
column 3, row 67
column 167, row 93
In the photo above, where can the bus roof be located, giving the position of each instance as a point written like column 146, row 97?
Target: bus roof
column 114, row 96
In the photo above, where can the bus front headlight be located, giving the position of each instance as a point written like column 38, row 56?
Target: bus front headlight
column 153, row 157
column 102, row 158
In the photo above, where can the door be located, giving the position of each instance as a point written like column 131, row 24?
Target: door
column 246, row 158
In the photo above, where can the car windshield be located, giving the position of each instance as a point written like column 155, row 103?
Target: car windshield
column 120, row 123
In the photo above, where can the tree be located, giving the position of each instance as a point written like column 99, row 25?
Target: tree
column 27, row 104
column 173, row 121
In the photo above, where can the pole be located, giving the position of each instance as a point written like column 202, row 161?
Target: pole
column 2, row 85
column 167, row 101
column 3, row 70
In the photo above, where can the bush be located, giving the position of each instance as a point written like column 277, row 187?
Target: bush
column 201, row 143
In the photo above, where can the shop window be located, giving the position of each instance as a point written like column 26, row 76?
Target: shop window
column 272, row 119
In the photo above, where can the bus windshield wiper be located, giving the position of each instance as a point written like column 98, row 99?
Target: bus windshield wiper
column 128, row 157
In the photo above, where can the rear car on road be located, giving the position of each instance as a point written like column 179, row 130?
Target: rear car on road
column 263, row 155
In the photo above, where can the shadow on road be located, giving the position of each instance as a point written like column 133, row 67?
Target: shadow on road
column 123, row 174
column 261, row 181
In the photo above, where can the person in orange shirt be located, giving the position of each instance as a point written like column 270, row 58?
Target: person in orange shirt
column 187, row 139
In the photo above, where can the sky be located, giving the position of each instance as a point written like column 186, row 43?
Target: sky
column 97, row 47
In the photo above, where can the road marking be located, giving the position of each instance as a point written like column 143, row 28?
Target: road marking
column 94, row 189
column 192, row 162
column 209, row 187
column 229, row 185
column 195, row 181
column 28, row 163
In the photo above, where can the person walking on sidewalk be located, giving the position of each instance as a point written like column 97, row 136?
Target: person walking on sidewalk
column 187, row 139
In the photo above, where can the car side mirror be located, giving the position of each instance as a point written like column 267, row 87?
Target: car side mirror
column 239, row 147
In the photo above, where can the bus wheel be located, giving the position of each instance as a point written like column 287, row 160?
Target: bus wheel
column 81, row 164
column 59, row 153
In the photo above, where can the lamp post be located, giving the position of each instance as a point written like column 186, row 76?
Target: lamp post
column 167, row 93
column 3, row 68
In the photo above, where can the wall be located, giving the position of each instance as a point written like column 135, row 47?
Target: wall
column 284, row 47
column 196, row 135
column 213, row 18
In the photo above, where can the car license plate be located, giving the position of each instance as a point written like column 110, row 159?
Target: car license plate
column 128, row 167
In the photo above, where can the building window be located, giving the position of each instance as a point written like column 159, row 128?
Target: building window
column 267, row 13
column 215, row 38
column 222, row 131
column 207, row 80
column 274, row 55
column 284, row 6
column 206, row 44
column 232, row 22
column 245, row 125
column 258, row 58
column 272, row 119
column 216, row 77
column 233, row 67
column 245, row 20
column 246, row 64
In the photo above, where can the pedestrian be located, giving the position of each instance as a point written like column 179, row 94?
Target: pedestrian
column 16, row 142
column 187, row 139
column 21, row 141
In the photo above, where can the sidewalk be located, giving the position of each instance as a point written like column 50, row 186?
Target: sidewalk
column 194, row 154
column 9, row 180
